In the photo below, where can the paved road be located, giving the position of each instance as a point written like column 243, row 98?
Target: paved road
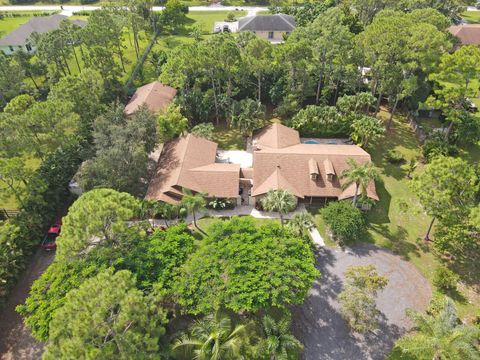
column 16, row 342
column 69, row 9
column 319, row 326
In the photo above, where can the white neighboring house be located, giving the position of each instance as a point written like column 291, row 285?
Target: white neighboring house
column 19, row 39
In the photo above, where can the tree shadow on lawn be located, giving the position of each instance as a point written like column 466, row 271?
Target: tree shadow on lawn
column 466, row 264
column 319, row 325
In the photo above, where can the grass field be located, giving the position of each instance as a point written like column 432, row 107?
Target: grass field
column 8, row 24
column 473, row 17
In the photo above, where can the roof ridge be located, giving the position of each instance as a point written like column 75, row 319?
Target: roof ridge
column 248, row 22
column 284, row 17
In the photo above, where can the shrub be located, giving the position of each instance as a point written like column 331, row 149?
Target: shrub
column 394, row 157
column 436, row 145
column 321, row 121
column 221, row 204
column 231, row 17
column 345, row 221
column 445, row 279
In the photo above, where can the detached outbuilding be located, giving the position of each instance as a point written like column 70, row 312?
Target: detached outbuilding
column 467, row 34
column 156, row 96
column 273, row 28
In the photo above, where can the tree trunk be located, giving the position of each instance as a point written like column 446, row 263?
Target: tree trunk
column 319, row 89
column 427, row 235
column 66, row 64
column 76, row 59
column 449, row 130
column 33, row 80
column 194, row 219
column 259, row 87
column 281, row 218
column 337, row 87
column 120, row 54
column 215, row 101
column 393, row 113
column 166, row 222
column 377, row 108
column 355, row 195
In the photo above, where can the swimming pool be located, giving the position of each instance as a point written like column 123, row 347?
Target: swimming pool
column 311, row 141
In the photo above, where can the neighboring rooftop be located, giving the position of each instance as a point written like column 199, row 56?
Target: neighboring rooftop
column 37, row 24
column 276, row 22
column 468, row 34
column 189, row 162
column 155, row 95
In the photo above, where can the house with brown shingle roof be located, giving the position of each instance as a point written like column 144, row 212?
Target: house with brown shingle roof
column 309, row 171
column 280, row 161
column 467, row 34
column 156, row 96
column 189, row 162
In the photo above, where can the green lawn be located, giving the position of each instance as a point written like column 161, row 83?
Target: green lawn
column 8, row 24
column 228, row 138
column 472, row 17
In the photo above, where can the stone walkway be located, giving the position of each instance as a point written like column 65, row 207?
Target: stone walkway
column 316, row 237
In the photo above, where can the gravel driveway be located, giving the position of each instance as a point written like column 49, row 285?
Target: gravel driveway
column 322, row 330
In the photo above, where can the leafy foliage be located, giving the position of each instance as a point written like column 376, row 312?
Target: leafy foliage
column 203, row 130
column 316, row 121
column 49, row 291
column 440, row 335
column 97, row 216
column 345, row 221
column 246, row 268
column 279, row 200
column 445, row 279
column 106, row 317
column 357, row 300
column 171, row 124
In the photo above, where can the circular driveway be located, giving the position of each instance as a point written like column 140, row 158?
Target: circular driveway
column 317, row 323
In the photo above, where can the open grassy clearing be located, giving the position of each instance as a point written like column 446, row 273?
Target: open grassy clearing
column 473, row 17
column 8, row 24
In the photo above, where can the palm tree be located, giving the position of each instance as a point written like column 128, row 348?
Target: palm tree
column 193, row 203
column 301, row 223
column 214, row 338
column 441, row 336
column 278, row 343
column 280, row 201
column 360, row 175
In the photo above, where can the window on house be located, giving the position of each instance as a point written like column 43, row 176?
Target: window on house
column 270, row 34
column 29, row 47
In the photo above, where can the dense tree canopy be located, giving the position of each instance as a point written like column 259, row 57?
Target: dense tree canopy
column 106, row 317
column 246, row 268
column 97, row 216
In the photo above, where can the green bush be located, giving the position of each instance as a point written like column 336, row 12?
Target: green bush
column 394, row 157
column 230, row 17
column 436, row 145
column 321, row 121
column 345, row 221
column 445, row 279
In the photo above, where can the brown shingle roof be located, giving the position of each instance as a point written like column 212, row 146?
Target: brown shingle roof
column 313, row 166
column 468, row 34
column 276, row 136
column 155, row 95
column 274, row 182
column 295, row 163
column 189, row 162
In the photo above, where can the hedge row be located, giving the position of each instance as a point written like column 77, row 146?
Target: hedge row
column 20, row 236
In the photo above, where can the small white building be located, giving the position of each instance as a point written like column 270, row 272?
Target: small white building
column 20, row 38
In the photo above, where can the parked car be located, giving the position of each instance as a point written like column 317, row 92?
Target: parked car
column 226, row 28
column 49, row 241
column 217, row 29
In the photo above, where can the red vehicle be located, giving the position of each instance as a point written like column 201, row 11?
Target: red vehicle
column 49, row 241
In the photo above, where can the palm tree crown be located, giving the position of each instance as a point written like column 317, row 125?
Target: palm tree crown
column 441, row 337
column 193, row 203
column 360, row 175
column 278, row 343
column 280, row 201
column 301, row 223
column 213, row 338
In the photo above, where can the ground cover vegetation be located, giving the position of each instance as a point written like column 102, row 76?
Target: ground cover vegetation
column 60, row 107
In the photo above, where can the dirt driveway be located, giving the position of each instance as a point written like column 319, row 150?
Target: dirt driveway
column 319, row 325
column 16, row 343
